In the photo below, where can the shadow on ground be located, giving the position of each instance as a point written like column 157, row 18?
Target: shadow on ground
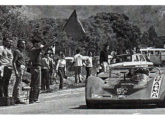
column 150, row 106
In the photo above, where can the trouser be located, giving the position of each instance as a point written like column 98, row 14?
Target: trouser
column 88, row 69
column 6, row 78
column 45, row 79
column 17, row 85
column 77, row 74
column 1, row 87
column 104, row 66
column 35, row 84
column 61, row 73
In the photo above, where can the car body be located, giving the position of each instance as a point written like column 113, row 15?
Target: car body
column 128, row 84
column 130, row 60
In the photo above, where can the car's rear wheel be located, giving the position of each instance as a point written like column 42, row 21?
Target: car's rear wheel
column 93, row 86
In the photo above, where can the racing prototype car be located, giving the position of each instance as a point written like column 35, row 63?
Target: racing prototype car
column 127, row 84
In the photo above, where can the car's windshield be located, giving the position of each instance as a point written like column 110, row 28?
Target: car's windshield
column 130, row 72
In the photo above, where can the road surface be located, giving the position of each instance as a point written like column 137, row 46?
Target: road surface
column 72, row 101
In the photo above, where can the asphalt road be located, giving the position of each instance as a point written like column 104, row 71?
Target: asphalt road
column 72, row 101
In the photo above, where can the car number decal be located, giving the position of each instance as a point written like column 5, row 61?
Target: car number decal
column 122, row 91
column 156, row 87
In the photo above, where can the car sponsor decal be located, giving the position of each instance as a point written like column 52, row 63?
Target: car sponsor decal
column 156, row 87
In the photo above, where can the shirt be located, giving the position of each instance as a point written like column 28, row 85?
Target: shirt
column 35, row 56
column 45, row 63
column 78, row 58
column 6, row 56
column 89, row 62
column 61, row 63
column 19, row 58
column 103, row 56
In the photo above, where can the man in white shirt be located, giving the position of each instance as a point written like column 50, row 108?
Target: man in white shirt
column 6, row 57
column 89, row 64
column 78, row 59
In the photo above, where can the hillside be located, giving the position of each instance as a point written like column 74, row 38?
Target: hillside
column 142, row 16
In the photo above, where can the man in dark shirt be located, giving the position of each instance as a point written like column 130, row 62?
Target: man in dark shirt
column 104, row 57
column 35, row 58
column 19, row 67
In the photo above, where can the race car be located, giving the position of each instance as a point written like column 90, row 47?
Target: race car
column 126, row 85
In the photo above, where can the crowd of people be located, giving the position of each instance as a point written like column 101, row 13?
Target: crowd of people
column 42, row 67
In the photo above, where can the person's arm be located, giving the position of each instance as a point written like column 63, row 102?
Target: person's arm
column 1, row 50
column 73, row 61
column 48, row 44
column 65, row 66
column 15, row 58
column 11, row 56
column 58, row 62
column 85, row 62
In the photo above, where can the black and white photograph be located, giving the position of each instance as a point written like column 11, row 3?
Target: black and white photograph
column 82, row 59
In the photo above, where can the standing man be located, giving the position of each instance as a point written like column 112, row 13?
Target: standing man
column 89, row 64
column 45, row 80
column 51, row 65
column 19, row 69
column 61, row 69
column 35, row 58
column 104, row 57
column 6, row 57
column 78, row 59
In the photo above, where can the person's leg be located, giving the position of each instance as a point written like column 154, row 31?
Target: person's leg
column 32, row 84
column 48, row 79
column 6, row 78
column 43, row 79
column 87, row 71
column 105, row 65
column 79, row 74
column 60, row 73
column 37, row 85
column 17, row 88
column 76, row 74
column 1, row 88
column 90, row 71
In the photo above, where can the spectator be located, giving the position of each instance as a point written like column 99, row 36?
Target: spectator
column 19, row 69
column 45, row 79
column 6, row 57
column 78, row 58
column 61, row 68
column 35, row 58
column 51, row 66
column 98, row 67
column 89, row 64
column 104, row 57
